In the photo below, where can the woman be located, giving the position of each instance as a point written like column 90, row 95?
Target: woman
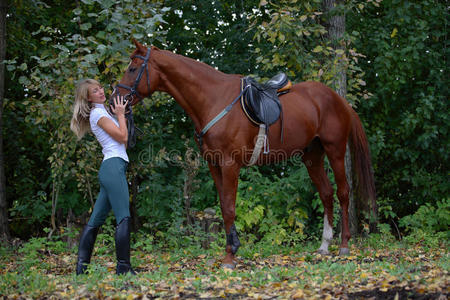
column 111, row 132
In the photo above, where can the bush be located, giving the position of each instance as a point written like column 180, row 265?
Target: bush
column 429, row 224
column 429, row 218
column 271, row 207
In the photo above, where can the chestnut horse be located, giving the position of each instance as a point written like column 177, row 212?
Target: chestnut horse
column 316, row 121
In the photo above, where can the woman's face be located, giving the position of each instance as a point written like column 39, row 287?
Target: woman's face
column 96, row 94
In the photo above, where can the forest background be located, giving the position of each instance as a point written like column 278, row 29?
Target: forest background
column 394, row 54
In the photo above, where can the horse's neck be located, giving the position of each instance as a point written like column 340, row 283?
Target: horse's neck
column 199, row 89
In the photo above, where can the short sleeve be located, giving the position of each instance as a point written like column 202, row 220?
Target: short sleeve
column 96, row 114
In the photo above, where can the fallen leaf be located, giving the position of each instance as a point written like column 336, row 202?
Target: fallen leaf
column 298, row 294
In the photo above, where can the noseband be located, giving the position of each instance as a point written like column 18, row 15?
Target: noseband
column 133, row 89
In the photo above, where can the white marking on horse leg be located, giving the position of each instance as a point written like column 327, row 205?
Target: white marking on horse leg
column 327, row 236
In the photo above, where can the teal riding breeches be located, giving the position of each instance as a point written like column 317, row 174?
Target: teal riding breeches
column 113, row 192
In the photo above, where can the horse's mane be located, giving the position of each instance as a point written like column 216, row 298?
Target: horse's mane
column 190, row 62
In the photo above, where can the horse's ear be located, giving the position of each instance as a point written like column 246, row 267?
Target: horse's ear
column 139, row 46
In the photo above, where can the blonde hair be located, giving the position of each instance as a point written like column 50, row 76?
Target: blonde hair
column 82, row 108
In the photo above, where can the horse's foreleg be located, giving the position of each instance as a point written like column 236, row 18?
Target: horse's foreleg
column 216, row 174
column 229, row 185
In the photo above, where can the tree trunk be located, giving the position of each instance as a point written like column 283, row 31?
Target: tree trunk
column 135, row 181
column 4, row 228
column 91, row 198
column 55, row 195
column 335, row 24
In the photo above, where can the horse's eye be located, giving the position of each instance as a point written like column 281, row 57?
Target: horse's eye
column 131, row 69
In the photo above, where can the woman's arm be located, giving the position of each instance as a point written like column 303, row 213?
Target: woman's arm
column 120, row 134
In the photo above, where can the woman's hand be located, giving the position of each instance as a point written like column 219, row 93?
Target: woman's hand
column 119, row 105
column 119, row 133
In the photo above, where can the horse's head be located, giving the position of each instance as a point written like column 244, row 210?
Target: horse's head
column 135, row 83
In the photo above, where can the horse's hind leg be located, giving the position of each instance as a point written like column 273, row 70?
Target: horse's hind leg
column 313, row 159
column 336, row 156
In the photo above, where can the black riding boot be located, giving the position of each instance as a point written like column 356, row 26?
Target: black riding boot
column 87, row 241
column 123, row 247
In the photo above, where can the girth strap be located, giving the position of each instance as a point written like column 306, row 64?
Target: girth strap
column 260, row 142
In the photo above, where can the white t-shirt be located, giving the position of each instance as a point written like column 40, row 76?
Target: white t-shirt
column 110, row 147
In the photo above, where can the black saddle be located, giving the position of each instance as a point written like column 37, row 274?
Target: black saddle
column 260, row 102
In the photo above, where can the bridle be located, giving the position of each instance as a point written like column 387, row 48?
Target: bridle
column 133, row 89
column 134, row 92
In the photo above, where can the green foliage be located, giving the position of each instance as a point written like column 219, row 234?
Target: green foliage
column 429, row 225
column 407, row 118
column 272, row 207
column 384, row 234
column 213, row 32
column 300, row 46
column 281, row 271
column 96, row 45
column 393, row 60
column 145, row 242
column 429, row 218
column 33, row 252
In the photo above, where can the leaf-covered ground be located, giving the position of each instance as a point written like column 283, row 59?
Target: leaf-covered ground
column 392, row 271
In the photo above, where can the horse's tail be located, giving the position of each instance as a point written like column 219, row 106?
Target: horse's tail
column 365, row 182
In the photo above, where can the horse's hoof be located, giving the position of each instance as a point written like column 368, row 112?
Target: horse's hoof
column 229, row 266
column 323, row 252
column 344, row 251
